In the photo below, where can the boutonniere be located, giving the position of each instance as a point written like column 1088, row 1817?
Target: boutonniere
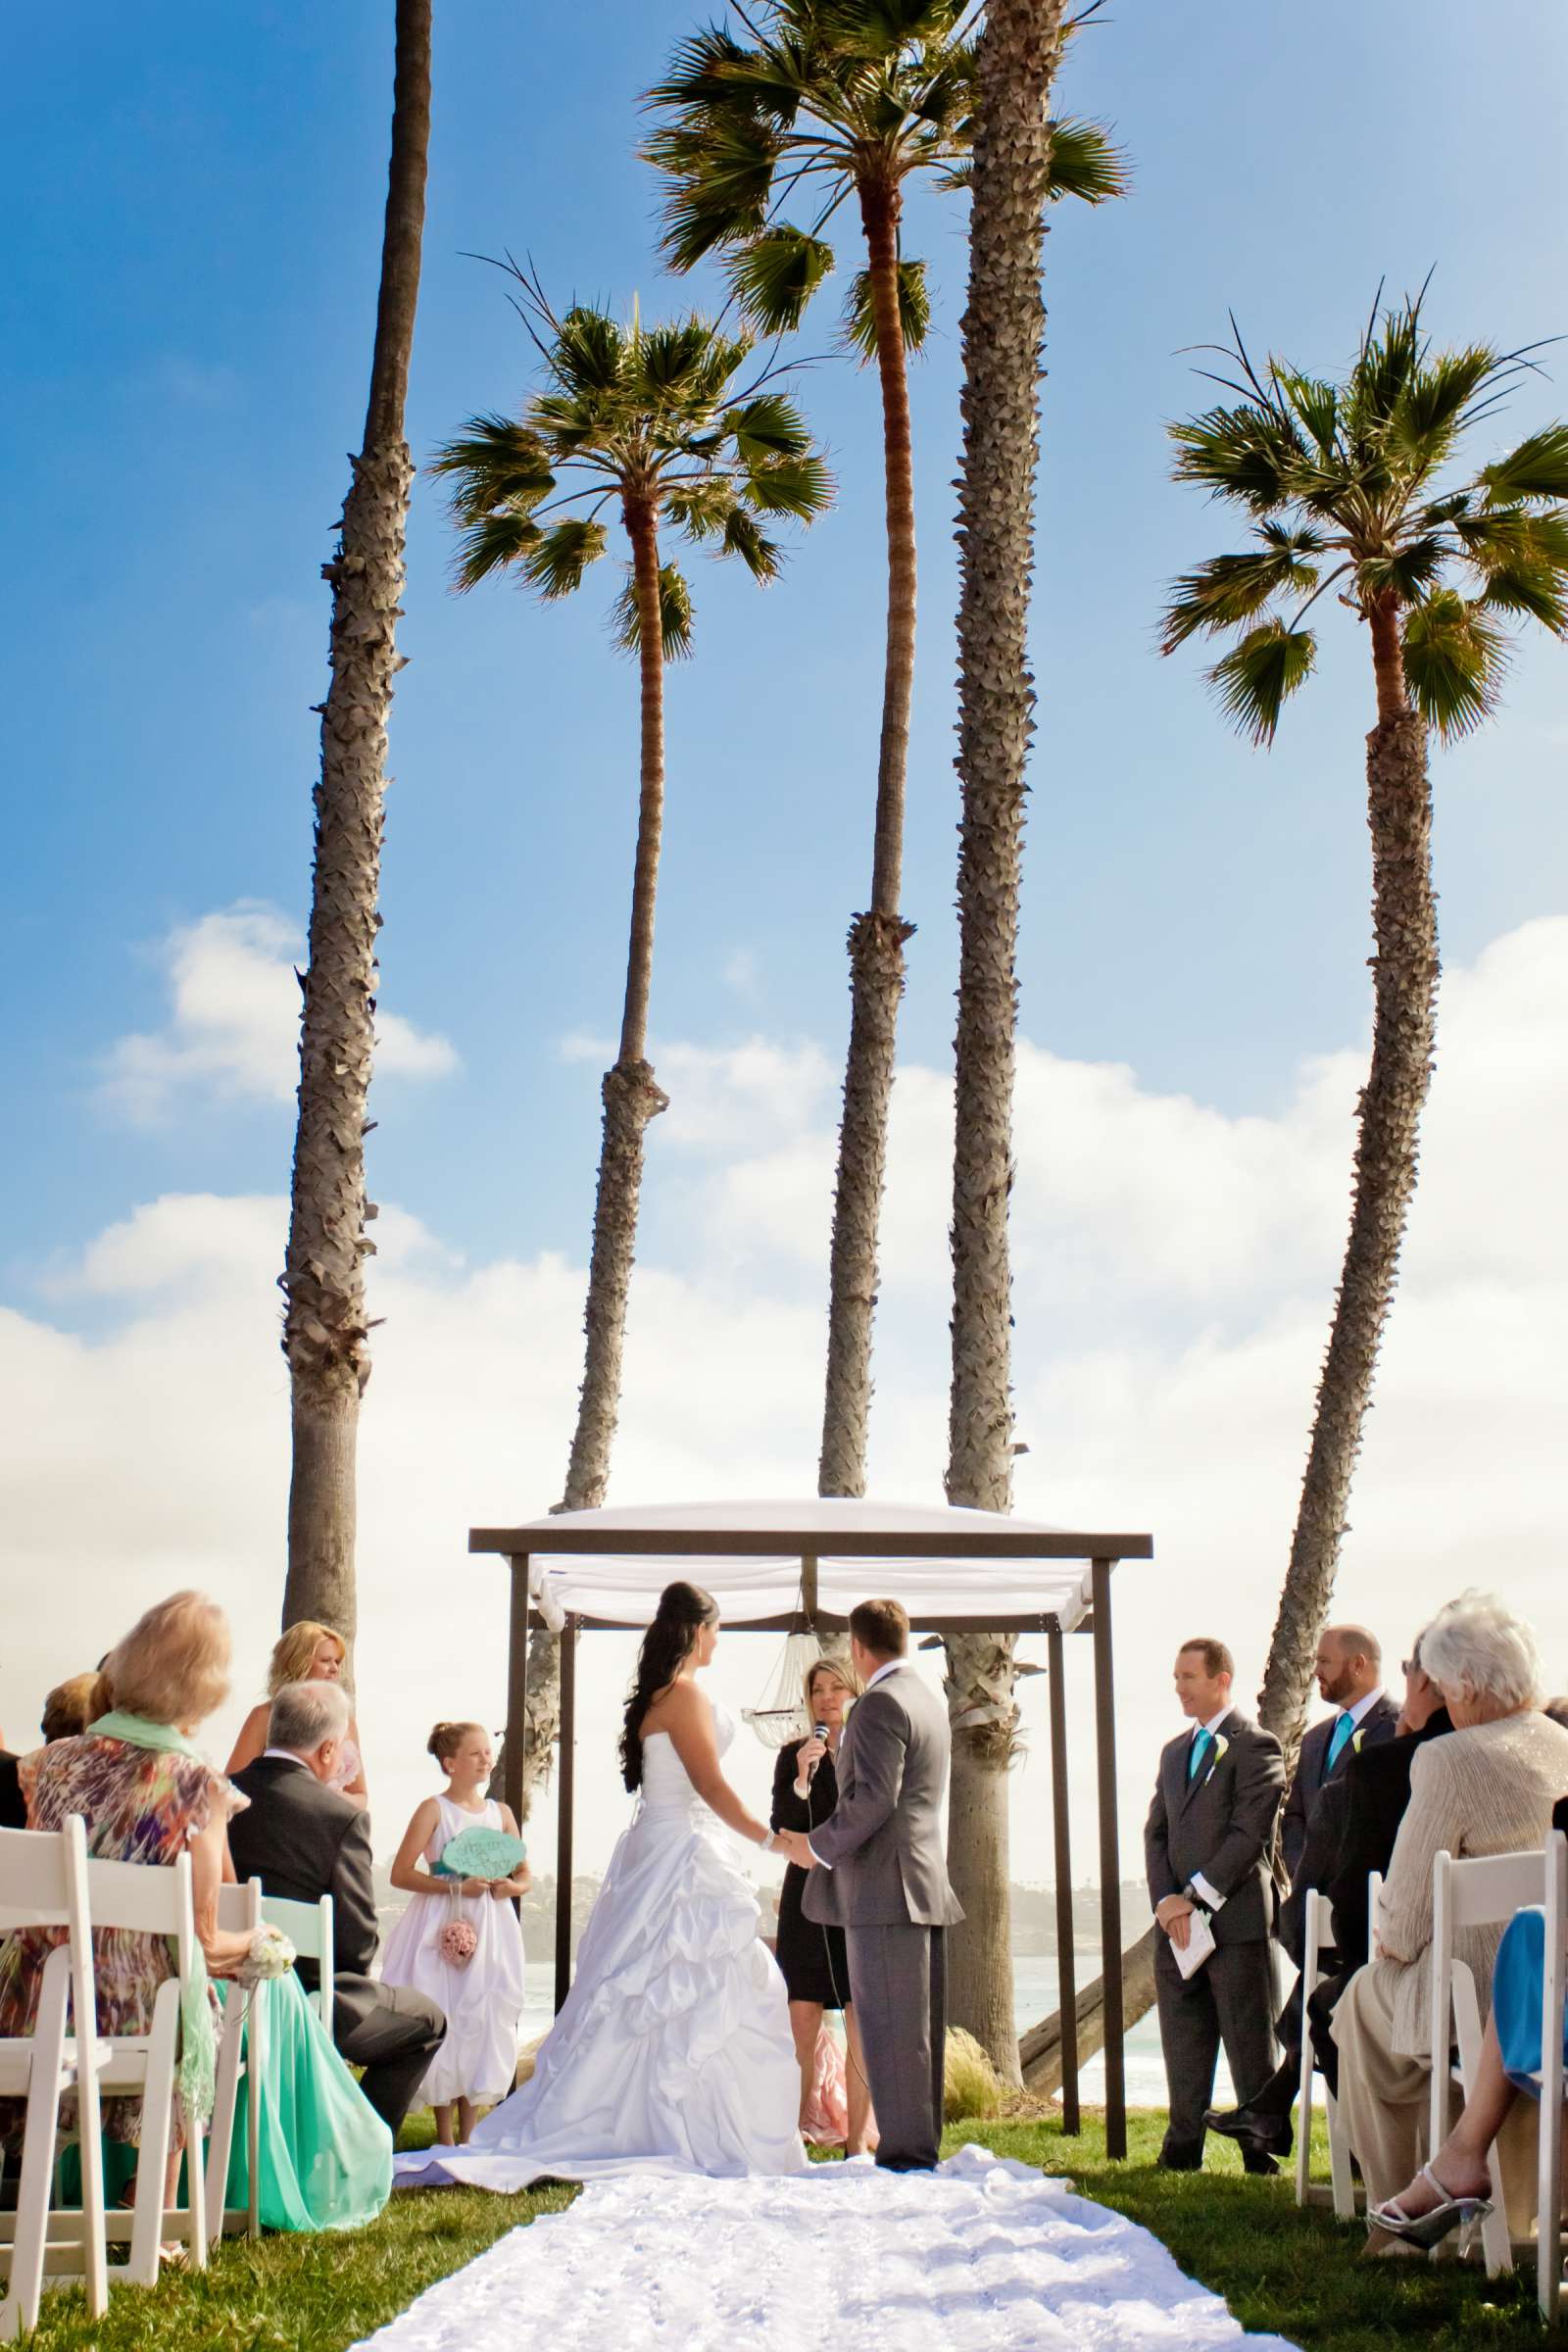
column 1356, row 1738
column 1221, row 1747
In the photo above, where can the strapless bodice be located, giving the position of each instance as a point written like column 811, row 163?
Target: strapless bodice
column 667, row 1786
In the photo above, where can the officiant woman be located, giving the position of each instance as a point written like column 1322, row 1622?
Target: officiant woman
column 813, row 1959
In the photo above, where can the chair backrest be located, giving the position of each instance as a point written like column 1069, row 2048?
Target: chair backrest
column 1554, row 1988
column 239, row 1908
column 1484, row 1891
column 150, row 1898
column 44, row 1884
column 309, row 1929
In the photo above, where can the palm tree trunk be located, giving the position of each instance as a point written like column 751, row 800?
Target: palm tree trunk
column 1405, row 972
column 877, row 937
column 325, row 1325
column 1004, row 331
column 631, row 1099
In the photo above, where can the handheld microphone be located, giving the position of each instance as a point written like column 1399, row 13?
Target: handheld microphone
column 819, row 1732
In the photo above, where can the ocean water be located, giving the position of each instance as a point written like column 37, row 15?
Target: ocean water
column 1034, row 1995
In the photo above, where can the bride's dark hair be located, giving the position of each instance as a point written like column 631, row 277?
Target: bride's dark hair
column 683, row 1610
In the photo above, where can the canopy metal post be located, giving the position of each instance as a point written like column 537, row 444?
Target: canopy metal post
column 1109, row 1864
column 516, row 1751
column 1067, row 1956
column 567, row 1770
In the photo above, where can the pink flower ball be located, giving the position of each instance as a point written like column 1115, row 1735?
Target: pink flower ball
column 458, row 1942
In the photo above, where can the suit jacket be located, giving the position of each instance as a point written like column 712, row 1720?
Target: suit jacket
column 1373, row 1795
column 884, row 1841
column 1312, row 1775
column 13, row 1804
column 301, row 1840
column 1221, row 1823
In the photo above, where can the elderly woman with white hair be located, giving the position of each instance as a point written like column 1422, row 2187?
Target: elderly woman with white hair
column 1487, row 1787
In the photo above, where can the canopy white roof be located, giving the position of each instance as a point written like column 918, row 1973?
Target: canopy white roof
column 763, row 1561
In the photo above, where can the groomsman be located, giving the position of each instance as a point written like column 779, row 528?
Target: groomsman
column 1350, row 1678
column 1207, row 1846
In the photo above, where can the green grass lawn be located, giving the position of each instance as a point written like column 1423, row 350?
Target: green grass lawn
column 1297, row 2275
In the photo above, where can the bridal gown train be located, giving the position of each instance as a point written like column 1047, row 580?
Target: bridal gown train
column 673, row 2051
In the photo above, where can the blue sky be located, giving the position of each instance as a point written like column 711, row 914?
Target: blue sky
column 195, row 199
column 195, row 202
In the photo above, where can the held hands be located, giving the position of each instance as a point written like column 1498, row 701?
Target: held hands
column 1175, row 1916
column 791, row 1843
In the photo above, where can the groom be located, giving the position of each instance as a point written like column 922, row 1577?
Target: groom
column 880, row 1876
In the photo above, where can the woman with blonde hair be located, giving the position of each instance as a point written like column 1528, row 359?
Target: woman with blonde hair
column 307, row 1652
column 813, row 1959
column 146, row 1795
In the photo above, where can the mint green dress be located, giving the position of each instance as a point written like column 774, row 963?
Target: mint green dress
column 325, row 2154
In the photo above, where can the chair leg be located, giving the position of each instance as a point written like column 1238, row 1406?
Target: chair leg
column 1340, row 2171
column 32, row 2198
column 156, row 2104
column 220, row 2142
column 1304, row 2136
column 261, row 2007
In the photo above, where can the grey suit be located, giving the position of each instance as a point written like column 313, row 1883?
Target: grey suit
column 885, row 1882
column 1313, row 1772
column 1220, row 1824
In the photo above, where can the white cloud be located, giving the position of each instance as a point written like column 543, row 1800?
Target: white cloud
column 1175, row 1280
column 233, row 1022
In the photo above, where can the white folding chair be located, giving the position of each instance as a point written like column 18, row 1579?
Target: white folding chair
column 239, row 2054
column 1476, row 1891
column 43, row 1883
column 309, row 1929
column 1319, row 1936
column 1555, row 1975
column 150, row 1900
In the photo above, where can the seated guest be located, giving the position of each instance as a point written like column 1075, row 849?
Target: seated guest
column 72, row 1704
column 813, row 1959
column 13, row 1804
column 1351, row 1834
column 1488, row 1787
column 1456, row 2186
column 303, row 1839
column 305, row 1653
column 145, row 1794
column 1350, row 1678
column 1206, row 1843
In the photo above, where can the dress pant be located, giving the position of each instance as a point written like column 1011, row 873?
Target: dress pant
column 1229, row 1999
column 393, row 2033
column 898, row 1981
column 1385, row 2099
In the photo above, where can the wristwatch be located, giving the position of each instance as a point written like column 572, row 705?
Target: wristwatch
column 1191, row 1896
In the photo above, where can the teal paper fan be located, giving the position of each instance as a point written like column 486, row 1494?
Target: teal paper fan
column 480, row 1853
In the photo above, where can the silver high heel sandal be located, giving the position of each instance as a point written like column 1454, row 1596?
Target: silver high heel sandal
column 1429, row 2230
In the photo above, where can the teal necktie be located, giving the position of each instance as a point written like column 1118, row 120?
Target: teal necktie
column 1340, row 1740
column 1199, row 1749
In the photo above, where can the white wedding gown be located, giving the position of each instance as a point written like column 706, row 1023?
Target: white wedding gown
column 673, row 2051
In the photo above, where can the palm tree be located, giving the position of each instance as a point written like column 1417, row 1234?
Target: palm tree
column 1353, row 486
column 830, row 100
column 652, row 421
column 326, row 1324
column 1004, row 331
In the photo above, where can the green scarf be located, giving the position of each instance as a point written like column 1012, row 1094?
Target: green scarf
column 198, row 2041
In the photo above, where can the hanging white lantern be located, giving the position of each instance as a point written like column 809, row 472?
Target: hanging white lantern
column 781, row 1715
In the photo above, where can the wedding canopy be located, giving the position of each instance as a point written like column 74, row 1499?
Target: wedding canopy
column 802, row 1565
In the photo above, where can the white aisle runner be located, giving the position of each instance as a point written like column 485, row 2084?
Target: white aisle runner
column 983, row 2256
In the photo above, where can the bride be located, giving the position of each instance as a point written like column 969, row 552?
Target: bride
column 673, row 2050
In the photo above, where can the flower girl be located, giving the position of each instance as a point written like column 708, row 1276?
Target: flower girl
column 458, row 1941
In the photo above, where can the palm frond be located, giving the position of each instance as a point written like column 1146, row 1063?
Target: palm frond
column 1086, row 163
column 1455, row 661
column 859, row 325
column 701, row 509
column 493, row 462
column 1249, row 453
column 1411, row 568
column 1438, row 399
column 588, row 353
column 695, row 63
column 674, row 615
column 1256, row 680
column 723, row 177
column 1315, row 405
column 489, row 543
column 745, row 537
column 1229, row 590
column 800, row 486
column 557, row 561
column 775, row 274
column 767, row 427
column 1537, row 469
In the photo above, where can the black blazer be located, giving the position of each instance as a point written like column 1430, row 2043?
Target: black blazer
column 1376, row 1793
column 1312, row 1775
column 13, row 1806
column 1222, row 1823
column 304, row 1840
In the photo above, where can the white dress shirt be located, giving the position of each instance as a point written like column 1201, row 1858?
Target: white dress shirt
column 1362, row 1709
column 880, row 1674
